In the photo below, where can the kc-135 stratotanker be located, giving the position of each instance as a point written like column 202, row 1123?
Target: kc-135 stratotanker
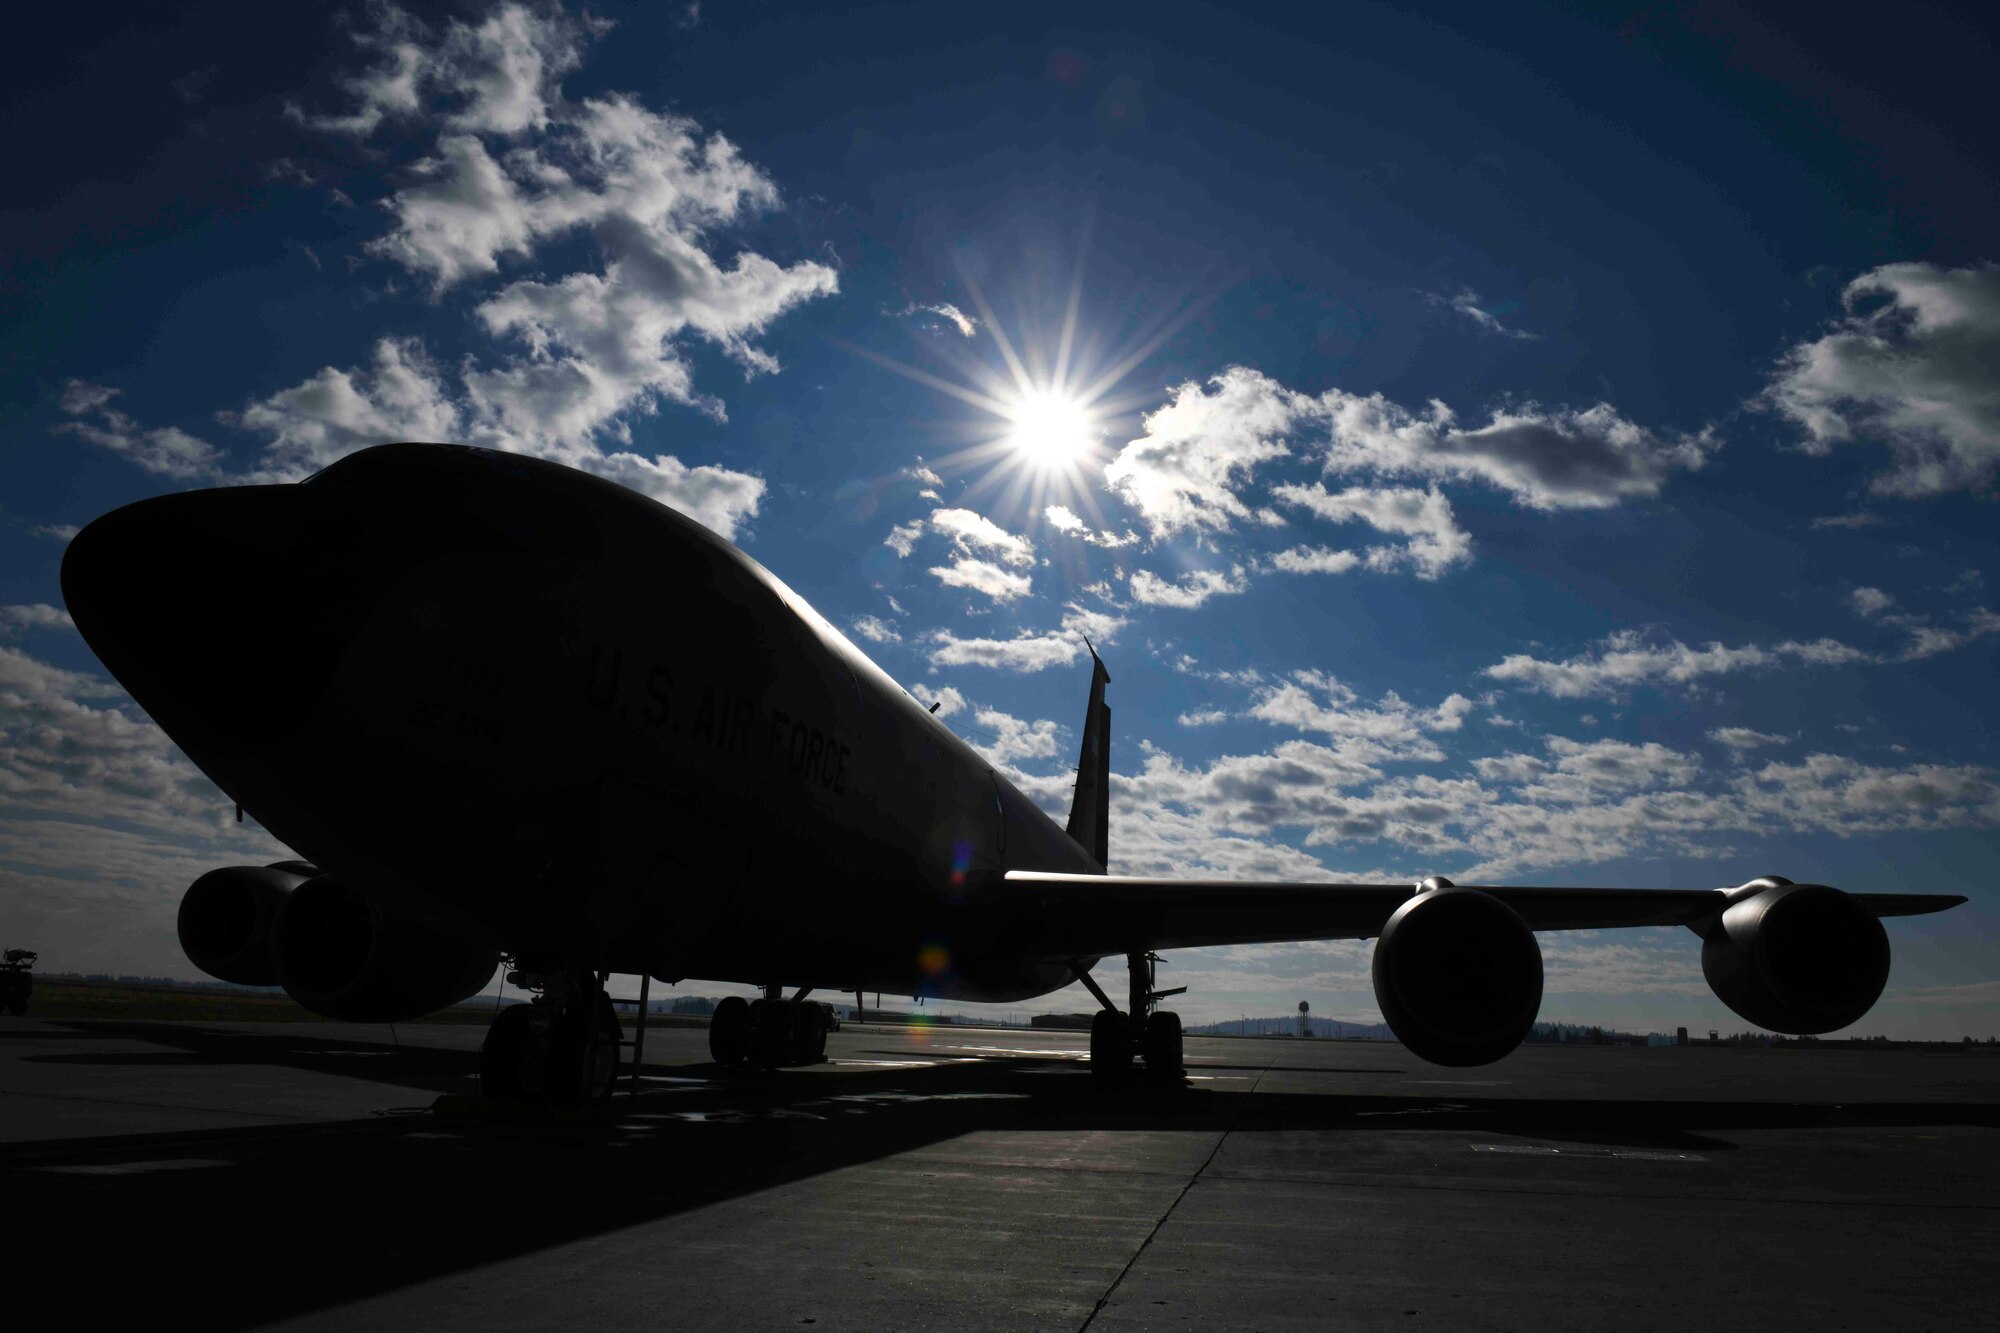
column 504, row 708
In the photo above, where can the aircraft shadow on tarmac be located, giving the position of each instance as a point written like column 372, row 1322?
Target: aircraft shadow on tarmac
column 309, row 1217
column 415, row 1067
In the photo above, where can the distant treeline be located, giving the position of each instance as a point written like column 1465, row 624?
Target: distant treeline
column 155, row 983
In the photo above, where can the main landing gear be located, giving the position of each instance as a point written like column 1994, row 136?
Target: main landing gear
column 1153, row 1035
column 769, row 1032
column 563, row 1046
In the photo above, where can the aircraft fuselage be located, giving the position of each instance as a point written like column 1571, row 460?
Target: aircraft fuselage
column 553, row 716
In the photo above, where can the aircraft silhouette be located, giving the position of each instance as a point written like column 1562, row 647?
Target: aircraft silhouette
column 500, row 707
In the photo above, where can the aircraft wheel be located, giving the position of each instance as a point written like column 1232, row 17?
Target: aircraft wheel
column 811, row 1032
column 1162, row 1043
column 772, row 1023
column 583, row 1053
column 729, row 1031
column 513, row 1060
column 1110, row 1047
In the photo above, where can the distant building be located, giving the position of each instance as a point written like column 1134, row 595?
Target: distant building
column 1066, row 1022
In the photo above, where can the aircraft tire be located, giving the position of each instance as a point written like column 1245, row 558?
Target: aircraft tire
column 1162, row 1043
column 729, row 1031
column 772, row 1043
column 510, row 1065
column 810, row 1031
column 583, row 1054
column 1110, row 1045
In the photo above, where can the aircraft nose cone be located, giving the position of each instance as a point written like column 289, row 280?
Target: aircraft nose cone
column 206, row 606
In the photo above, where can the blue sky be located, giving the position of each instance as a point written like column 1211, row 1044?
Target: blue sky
column 1530, row 448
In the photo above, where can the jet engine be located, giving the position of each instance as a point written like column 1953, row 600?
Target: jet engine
column 1796, row 957
column 1458, row 975
column 343, row 954
column 226, row 915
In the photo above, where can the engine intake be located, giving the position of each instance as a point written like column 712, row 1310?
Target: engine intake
column 226, row 916
column 341, row 953
column 1799, row 958
column 1458, row 976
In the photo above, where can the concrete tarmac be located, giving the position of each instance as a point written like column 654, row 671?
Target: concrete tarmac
column 295, row 1176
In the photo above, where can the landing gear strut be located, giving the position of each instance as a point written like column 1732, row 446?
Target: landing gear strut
column 769, row 1032
column 562, row 1046
column 1154, row 1035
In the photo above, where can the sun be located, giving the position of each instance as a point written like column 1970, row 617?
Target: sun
column 1047, row 397
column 1049, row 429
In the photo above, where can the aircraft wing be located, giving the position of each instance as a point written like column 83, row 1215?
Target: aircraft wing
column 1081, row 916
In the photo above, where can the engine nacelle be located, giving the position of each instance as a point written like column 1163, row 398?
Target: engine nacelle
column 1458, row 976
column 226, row 917
column 341, row 953
column 1796, row 958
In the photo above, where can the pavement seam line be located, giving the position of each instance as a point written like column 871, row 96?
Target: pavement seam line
column 1213, row 1153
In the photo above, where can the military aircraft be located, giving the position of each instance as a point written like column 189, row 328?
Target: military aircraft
column 504, row 708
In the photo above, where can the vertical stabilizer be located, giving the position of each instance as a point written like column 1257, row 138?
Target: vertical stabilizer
column 1090, row 808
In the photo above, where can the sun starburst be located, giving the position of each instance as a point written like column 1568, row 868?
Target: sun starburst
column 1046, row 400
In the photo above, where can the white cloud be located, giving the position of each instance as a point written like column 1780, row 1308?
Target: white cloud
column 1183, row 472
column 1435, row 544
column 1850, row 521
column 1187, row 472
column 1194, row 589
column 402, row 396
column 975, row 534
column 1743, row 739
column 496, row 77
column 34, row 615
column 1063, row 519
column 875, row 629
column 1870, row 601
column 1203, row 717
column 1394, row 727
column 903, row 538
column 1545, row 458
column 512, row 166
column 947, row 699
column 73, row 746
column 61, row 532
column 1585, row 769
column 950, row 314
column 983, row 576
column 1009, row 738
column 1910, row 366
column 1029, row 651
column 1026, row 652
column 1929, row 640
column 1467, row 303
column 1629, row 659
column 1314, row 560
column 716, row 497
column 106, row 822
column 167, row 451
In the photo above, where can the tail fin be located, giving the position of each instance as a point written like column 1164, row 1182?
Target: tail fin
column 1090, row 809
